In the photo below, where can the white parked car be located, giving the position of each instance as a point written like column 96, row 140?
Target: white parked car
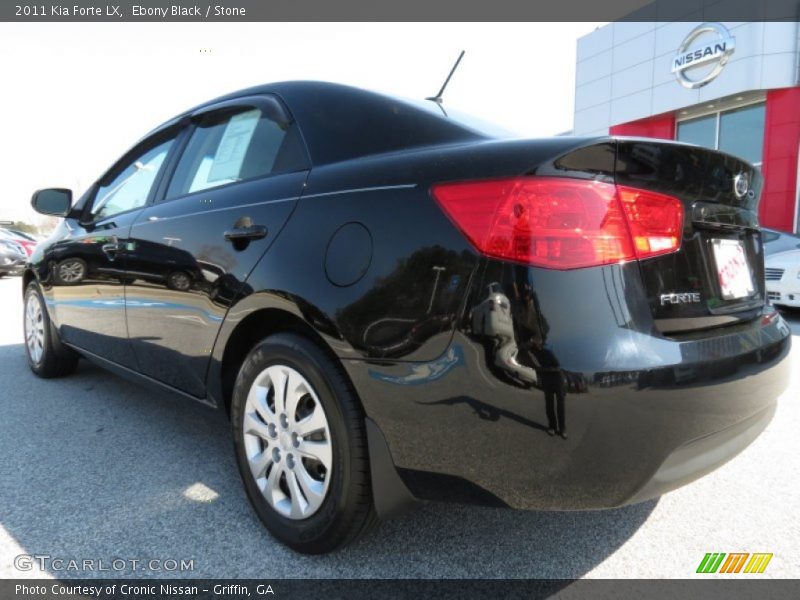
column 782, row 268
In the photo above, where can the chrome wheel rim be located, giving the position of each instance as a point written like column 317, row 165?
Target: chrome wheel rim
column 287, row 441
column 34, row 327
column 70, row 272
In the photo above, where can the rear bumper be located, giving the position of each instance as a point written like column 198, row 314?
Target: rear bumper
column 643, row 414
column 701, row 456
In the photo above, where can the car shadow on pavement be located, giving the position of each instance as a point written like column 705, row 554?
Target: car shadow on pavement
column 97, row 468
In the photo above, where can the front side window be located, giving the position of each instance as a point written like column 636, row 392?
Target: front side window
column 227, row 147
column 130, row 188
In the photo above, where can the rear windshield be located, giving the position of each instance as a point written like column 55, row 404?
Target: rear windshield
column 342, row 123
column 778, row 241
column 474, row 124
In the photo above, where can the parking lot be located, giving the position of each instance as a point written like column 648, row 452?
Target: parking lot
column 97, row 468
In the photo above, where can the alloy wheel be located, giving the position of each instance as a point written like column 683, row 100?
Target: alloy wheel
column 180, row 281
column 71, row 271
column 34, row 327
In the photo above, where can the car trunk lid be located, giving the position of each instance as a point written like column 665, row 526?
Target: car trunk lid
column 717, row 275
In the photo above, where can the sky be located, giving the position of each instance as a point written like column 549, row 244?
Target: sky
column 76, row 96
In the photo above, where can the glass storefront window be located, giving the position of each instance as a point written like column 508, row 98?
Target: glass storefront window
column 702, row 131
column 739, row 132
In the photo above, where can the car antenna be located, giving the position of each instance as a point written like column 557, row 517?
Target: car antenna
column 438, row 97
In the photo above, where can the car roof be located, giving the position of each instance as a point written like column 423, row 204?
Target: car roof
column 341, row 122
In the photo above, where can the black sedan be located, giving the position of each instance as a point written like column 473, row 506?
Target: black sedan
column 390, row 303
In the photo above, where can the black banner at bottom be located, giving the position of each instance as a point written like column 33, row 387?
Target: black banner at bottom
column 356, row 589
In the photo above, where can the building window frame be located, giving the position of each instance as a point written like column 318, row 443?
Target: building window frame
column 718, row 112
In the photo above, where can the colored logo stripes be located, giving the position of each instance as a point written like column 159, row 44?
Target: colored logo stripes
column 735, row 562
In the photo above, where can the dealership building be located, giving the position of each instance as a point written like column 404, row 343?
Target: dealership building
column 730, row 86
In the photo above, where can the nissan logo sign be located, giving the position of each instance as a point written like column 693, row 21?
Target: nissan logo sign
column 704, row 60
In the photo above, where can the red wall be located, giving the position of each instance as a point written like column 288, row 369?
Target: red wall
column 781, row 140
column 779, row 166
column 660, row 126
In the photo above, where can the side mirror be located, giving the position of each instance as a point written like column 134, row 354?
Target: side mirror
column 53, row 201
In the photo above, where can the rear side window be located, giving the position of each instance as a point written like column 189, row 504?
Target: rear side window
column 235, row 145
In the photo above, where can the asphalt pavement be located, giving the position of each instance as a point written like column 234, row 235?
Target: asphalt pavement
column 96, row 468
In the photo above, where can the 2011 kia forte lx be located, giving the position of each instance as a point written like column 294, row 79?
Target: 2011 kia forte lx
column 390, row 303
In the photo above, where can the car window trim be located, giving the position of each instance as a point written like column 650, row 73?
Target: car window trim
column 171, row 164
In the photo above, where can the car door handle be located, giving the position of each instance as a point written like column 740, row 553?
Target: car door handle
column 111, row 248
column 250, row 232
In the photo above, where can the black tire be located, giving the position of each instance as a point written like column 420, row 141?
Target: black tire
column 347, row 510
column 56, row 359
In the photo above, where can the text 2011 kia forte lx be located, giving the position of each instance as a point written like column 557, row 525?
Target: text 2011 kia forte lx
column 390, row 303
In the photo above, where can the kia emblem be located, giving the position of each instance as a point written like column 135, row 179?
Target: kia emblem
column 741, row 185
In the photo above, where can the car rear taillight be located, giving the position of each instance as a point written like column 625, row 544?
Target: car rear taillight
column 562, row 223
column 655, row 221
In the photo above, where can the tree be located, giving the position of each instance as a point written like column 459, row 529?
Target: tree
column 24, row 227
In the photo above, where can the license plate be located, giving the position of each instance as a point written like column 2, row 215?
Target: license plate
column 734, row 273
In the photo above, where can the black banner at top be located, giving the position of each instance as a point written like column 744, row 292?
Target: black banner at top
column 405, row 10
